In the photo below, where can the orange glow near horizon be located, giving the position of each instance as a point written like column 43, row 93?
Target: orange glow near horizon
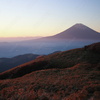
column 31, row 33
column 29, row 18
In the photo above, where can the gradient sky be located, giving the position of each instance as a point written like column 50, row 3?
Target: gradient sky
column 21, row 18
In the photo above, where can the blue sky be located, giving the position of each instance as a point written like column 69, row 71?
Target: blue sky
column 46, row 17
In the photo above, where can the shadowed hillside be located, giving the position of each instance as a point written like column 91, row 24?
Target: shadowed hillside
column 8, row 63
column 68, row 75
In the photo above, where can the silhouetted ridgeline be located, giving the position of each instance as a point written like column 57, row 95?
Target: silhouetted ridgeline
column 8, row 63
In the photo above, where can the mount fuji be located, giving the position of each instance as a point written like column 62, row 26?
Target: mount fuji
column 78, row 32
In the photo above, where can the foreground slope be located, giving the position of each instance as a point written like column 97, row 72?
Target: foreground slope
column 69, row 75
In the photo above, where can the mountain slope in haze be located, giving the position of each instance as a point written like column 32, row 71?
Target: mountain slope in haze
column 79, row 32
column 8, row 63
column 76, row 32
column 72, row 75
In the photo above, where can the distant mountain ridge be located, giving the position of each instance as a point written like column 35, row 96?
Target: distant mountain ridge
column 8, row 63
column 15, row 39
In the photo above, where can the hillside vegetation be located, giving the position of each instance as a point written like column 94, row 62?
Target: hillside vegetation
column 68, row 75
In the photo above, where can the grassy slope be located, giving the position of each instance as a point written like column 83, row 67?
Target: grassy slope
column 77, row 79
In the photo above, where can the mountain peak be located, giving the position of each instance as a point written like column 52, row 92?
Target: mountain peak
column 80, row 26
column 79, row 32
